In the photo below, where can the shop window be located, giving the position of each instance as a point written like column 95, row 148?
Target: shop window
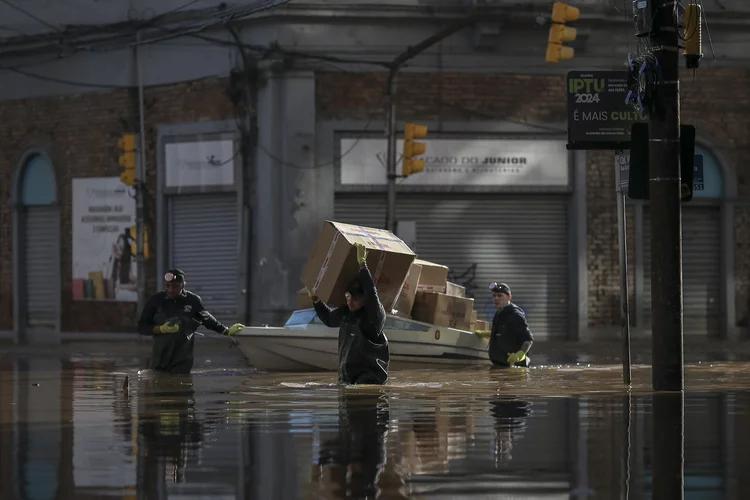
column 38, row 186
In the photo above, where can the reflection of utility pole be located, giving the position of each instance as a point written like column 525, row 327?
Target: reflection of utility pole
column 140, row 191
column 390, row 102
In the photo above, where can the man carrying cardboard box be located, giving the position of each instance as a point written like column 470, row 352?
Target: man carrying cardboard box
column 364, row 355
column 510, row 338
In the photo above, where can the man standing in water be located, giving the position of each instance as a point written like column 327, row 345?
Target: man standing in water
column 172, row 316
column 510, row 338
column 364, row 356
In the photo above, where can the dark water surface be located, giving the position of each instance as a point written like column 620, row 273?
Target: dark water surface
column 69, row 429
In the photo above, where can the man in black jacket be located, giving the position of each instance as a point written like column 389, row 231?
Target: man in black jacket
column 510, row 338
column 172, row 316
column 364, row 356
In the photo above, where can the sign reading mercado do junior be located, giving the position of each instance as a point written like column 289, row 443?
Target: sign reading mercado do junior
column 461, row 162
column 598, row 117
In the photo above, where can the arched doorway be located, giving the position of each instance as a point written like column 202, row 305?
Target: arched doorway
column 706, row 302
column 36, row 252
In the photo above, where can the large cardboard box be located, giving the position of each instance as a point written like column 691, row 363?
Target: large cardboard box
column 443, row 310
column 333, row 262
column 405, row 301
column 304, row 300
column 434, row 277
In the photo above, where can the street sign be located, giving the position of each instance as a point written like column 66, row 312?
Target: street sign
column 698, row 173
column 598, row 117
column 623, row 170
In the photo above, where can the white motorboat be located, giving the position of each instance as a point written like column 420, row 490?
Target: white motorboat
column 304, row 343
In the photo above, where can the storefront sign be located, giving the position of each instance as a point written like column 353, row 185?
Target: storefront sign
column 461, row 162
column 103, row 247
column 201, row 163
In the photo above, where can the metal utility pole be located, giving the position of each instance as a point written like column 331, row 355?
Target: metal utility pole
column 621, row 168
column 390, row 98
column 140, row 190
column 665, row 208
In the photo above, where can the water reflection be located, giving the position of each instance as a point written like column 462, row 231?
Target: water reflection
column 69, row 430
column 350, row 463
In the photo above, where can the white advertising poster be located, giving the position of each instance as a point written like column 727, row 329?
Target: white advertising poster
column 461, row 162
column 104, row 246
column 200, row 163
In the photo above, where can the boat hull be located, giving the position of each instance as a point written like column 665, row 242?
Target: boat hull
column 286, row 349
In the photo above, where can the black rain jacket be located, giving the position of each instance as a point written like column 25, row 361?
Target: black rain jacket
column 509, row 331
column 173, row 352
column 364, row 356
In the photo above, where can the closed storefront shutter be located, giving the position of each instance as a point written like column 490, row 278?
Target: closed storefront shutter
column 203, row 242
column 701, row 268
column 41, row 251
column 518, row 239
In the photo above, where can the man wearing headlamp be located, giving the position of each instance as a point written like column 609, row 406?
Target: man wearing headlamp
column 511, row 338
column 171, row 317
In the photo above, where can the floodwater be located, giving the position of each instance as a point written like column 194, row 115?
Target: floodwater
column 71, row 428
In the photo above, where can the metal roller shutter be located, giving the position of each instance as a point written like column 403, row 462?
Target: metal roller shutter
column 203, row 242
column 41, row 261
column 519, row 239
column 701, row 267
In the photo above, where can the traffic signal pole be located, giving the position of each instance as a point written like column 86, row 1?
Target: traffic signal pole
column 390, row 98
column 140, row 192
column 665, row 208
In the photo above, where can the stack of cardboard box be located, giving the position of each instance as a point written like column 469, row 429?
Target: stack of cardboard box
column 407, row 286
column 429, row 297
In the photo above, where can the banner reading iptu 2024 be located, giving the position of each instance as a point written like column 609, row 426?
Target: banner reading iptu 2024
column 104, row 266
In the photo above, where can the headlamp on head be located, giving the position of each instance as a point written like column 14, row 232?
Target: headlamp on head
column 169, row 277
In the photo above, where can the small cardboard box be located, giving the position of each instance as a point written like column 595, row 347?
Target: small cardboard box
column 405, row 301
column 482, row 325
column 443, row 310
column 434, row 277
column 304, row 300
column 454, row 290
column 332, row 264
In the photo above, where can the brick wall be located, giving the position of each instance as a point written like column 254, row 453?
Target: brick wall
column 716, row 102
column 80, row 134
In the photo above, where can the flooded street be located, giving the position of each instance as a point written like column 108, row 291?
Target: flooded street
column 70, row 427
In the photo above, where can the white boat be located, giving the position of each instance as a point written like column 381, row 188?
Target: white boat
column 304, row 343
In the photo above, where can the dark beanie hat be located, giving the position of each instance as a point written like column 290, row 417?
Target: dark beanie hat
column 175, row 275
column 500, row 288
column 355, row 288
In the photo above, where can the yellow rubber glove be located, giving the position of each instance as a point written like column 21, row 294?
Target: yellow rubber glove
column 235, row 328
column 483, row 333
column 312, row 296
column 361, row 253
column 170, row 327
column 516, row 357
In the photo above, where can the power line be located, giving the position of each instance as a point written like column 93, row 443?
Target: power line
column 30, row 15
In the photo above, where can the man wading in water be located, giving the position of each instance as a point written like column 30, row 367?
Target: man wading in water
column 171, row 317
column 363, row 347
column 511, row 338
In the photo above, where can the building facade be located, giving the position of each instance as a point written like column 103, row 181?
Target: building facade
column 255, row 137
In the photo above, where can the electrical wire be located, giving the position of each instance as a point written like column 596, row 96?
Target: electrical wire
column 30, row 15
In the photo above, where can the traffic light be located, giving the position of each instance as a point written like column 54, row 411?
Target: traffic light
column 412, row 149
column 126, row 144
column 559, row 33
column 133, row 232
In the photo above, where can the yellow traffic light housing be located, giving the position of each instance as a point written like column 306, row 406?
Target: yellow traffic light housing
column 133, row 231
column 412, row 148
column 559, row 33
column 126, row 144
